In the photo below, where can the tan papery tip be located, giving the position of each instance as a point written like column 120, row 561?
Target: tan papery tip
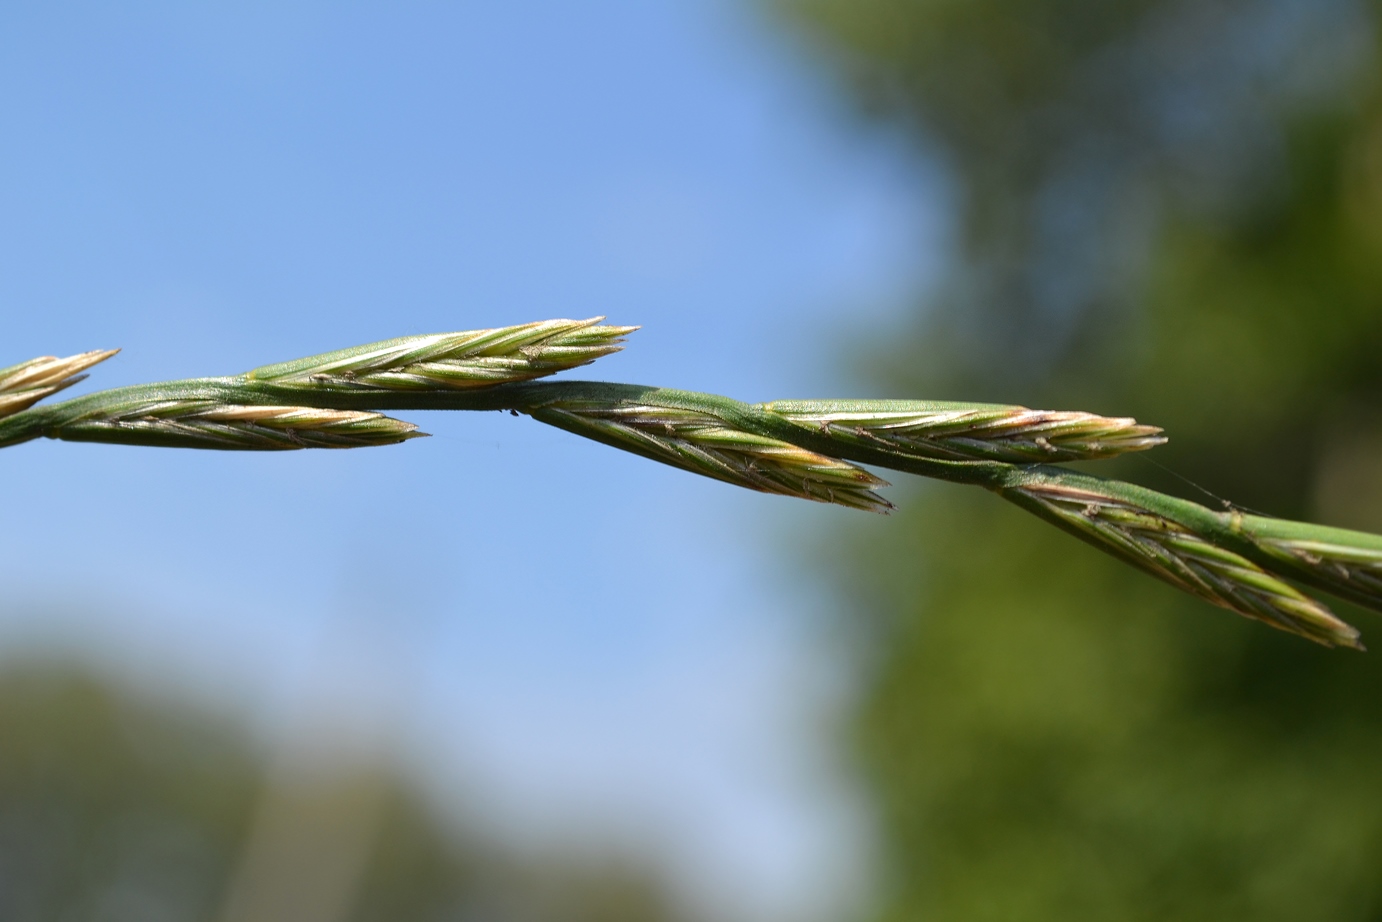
column 616, row 330
column 82, row 361
column 49, row 371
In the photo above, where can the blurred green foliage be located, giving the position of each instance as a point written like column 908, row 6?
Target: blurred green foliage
column 1171, row 210
column 116, row 808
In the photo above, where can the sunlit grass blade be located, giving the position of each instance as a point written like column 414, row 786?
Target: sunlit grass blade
column 969, row 431
column 208, row 424
column 704, row 444
column 450, row 361
column 1174, row 553
column 25, row 384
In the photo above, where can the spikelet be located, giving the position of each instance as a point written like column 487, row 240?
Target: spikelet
column 704, row 444
column 1174, row 553
column 454, row 361
column 208, row 424
column 968, row 431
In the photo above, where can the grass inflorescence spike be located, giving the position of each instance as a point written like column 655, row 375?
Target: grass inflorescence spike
column 806, row 449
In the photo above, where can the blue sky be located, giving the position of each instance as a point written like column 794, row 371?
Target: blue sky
column 561, row 641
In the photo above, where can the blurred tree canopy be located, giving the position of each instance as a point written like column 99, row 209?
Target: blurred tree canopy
column 1170, row 209
column 114, row 808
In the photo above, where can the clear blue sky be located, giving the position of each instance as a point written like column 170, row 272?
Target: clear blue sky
column 561, row 640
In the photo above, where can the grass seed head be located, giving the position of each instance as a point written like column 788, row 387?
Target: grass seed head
column 25, row 384
column 1186, row 560
column 704, row 444
column 970, row 432
column 451, row 361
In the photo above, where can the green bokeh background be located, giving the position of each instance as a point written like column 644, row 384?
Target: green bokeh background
column 1168, row 210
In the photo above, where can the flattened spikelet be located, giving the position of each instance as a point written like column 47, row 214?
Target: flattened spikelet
column 1186, row 560
column 454, row 361
column 704, row 444
column 206, row 424
column 970, row 432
